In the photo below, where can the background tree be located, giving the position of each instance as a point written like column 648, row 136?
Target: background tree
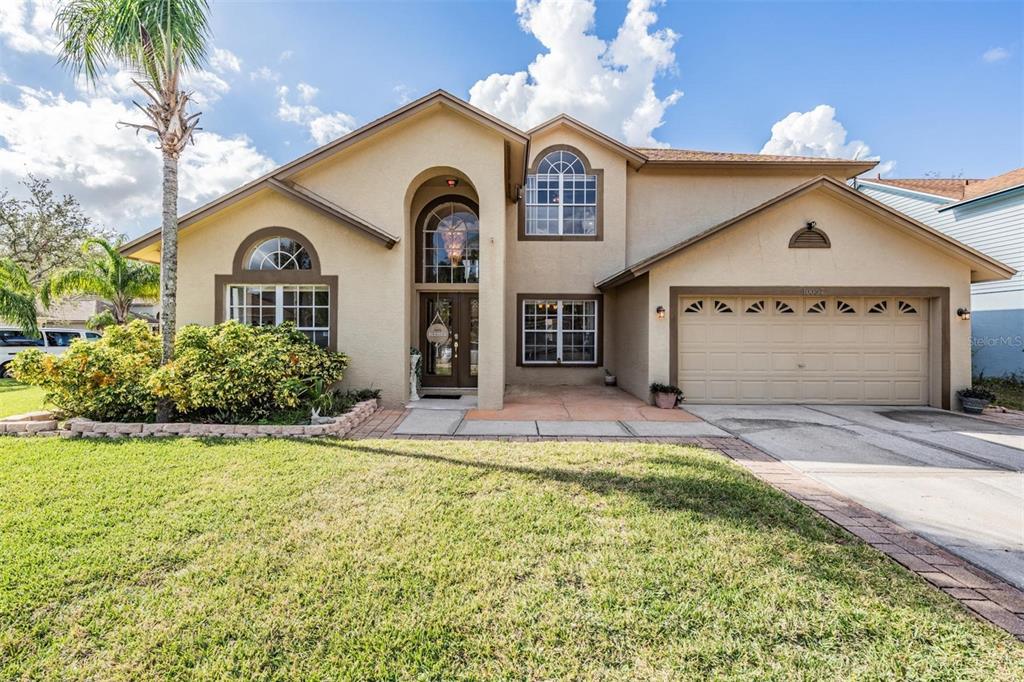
column 157, row 40
column 43, row 233
column 110, row 276
column 18, row 297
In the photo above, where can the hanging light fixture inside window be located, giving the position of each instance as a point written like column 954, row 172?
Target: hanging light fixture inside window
column 454, row 233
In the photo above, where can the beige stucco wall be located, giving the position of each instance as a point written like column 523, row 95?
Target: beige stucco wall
column 631, row 312
column 568, row 267
column 666, row 206
column 866, row 252
column 377, row 180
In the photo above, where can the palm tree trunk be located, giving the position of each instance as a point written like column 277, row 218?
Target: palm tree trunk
column 168, row 270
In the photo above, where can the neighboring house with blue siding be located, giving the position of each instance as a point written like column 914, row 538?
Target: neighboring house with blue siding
column 987, row 215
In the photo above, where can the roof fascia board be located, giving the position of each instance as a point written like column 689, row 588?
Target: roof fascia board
column 332, row 210
column 843, row 191
column 850, row 169
column 635, row 158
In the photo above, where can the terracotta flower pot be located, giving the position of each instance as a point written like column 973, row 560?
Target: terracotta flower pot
column 665, row 401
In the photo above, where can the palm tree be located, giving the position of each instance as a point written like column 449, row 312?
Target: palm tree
column 108, row 275
column 157, row 40
column 18, row 297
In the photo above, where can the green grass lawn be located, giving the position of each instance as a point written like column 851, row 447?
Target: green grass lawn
column 18, row 398
column 1009, row 390
column 430, row 560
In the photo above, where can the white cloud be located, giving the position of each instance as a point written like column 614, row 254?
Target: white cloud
column 818, row 133
column 285, row 55
column 322, row 127
column 307, row 92
column 27, row 26
column 403, row 93
column 265, row 73
column 225, row 60
column 607, row 85
column 996, row 54
column 113, row 172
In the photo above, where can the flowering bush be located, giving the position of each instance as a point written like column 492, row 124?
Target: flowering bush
column 235, row 373
column 105, row 380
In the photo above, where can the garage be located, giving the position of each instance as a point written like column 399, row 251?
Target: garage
column 763, row 348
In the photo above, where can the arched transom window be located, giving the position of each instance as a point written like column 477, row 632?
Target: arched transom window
column 561, row 197
column 450, row 242
column 279, row 253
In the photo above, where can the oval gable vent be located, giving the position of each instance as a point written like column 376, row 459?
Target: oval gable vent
column 810, row 237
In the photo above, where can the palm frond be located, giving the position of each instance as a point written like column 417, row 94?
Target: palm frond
column 17, row 297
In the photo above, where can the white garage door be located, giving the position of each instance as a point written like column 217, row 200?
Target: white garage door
column 803, row 349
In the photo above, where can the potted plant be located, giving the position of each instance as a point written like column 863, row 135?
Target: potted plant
column 975, row 399
column 666, row 396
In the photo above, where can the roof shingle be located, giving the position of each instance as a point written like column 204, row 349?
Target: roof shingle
column 663, row 154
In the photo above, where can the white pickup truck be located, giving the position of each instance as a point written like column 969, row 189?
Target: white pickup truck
column 54, row 340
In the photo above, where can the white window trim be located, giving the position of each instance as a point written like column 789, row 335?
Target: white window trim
column 279, row 303
column 559, row 332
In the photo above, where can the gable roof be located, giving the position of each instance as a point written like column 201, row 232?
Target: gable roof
column 282, row 173
column 633, row 156
column 993, row 268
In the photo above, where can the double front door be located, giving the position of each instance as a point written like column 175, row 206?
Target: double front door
column 450, row 339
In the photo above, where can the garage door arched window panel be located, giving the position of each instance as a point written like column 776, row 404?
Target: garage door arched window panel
column 784, row 307
column 559, row 331
column 562, row 197
column 845, row 307
column 724, row 307
column 907, row 307
column 693, row 306
column 879, row 307
column 755, row 307
column 818, row 308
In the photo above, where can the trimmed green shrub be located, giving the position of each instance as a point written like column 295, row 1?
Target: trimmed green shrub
column 235, row 373
column 105, row 380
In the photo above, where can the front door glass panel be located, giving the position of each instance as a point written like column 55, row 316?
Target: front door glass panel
column 450, row 339
column 440, row 356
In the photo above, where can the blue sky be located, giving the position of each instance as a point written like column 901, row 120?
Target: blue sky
column 925, row 87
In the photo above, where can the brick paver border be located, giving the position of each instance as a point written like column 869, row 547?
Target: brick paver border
column 983, row 594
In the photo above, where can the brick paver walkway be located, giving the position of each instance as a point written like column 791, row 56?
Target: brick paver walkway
column 982, row 593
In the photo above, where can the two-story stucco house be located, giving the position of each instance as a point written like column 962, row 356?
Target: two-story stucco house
column 552, row 255
column 989, row 216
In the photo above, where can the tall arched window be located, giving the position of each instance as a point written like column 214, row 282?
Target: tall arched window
column 449, row 241
column 561, row 197
column 277, row 279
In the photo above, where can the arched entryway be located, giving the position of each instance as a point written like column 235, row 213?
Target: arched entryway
column 446, row 224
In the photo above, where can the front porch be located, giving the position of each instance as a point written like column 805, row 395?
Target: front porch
column 543, row 412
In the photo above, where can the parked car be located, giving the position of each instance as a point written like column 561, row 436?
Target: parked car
column 54, row 340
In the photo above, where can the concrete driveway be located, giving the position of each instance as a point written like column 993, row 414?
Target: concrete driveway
column 949, row 477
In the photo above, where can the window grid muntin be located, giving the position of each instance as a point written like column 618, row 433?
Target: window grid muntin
column 307, row 305
column 280, row 253
column 442, row 271
column 555, row 328
column 561, row 198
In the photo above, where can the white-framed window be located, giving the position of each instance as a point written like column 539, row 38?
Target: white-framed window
column 559, row 332
column 561, row 198
column 307, row 305
column 280, row 253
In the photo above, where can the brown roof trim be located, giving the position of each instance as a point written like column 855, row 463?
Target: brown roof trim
column 438, row 97
column 980, row 197
column 635, row 157
column 332, row 210
column 841, row 190
column 852, row 168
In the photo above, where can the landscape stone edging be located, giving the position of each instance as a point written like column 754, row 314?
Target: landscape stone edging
column 44, row 424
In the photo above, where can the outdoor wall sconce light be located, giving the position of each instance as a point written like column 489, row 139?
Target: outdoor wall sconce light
column 452, row 182
column 660, row 312
column 963, row 313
